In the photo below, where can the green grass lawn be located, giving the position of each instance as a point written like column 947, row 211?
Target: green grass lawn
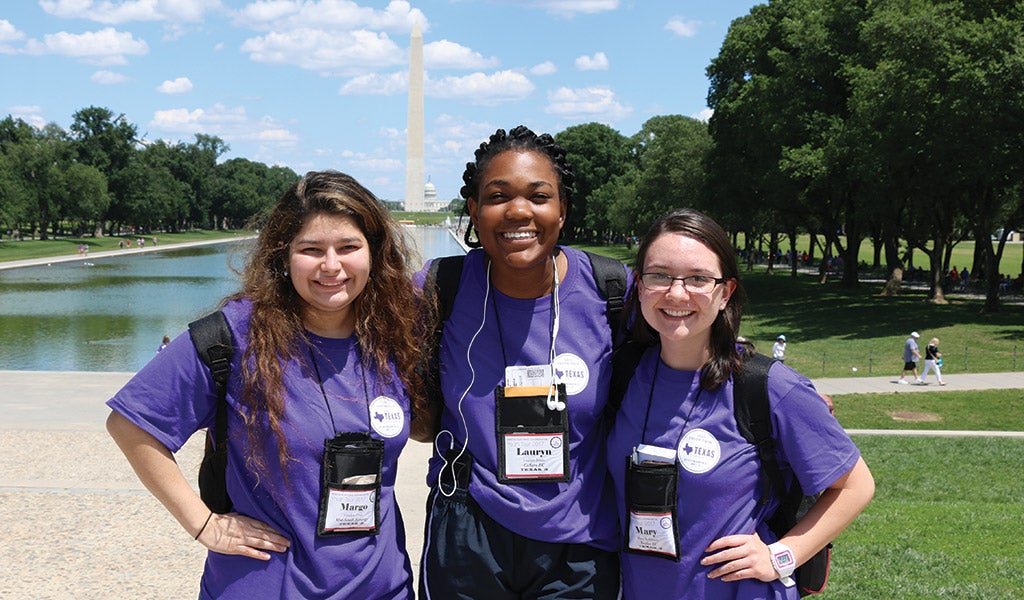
column 947, row 521
column 22, row 250
column 975, row 410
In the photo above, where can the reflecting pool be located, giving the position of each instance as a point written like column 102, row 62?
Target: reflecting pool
column 110, row 314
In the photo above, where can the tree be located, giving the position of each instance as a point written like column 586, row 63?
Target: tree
column 670, row 153
column 109, row 144
column 597, row 153
column 86, row 195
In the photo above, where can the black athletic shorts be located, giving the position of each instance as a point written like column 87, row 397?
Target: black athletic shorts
column 469, row 556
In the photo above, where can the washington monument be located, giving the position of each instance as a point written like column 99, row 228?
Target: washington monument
column 414, row 139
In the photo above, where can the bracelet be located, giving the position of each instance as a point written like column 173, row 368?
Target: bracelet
column 203, row 528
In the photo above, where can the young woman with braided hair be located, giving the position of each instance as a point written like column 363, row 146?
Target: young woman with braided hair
column 519, row 507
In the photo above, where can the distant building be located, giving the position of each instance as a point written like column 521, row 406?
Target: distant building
column 430, row 201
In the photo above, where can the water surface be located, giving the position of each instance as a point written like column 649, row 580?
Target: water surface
column 110, row 314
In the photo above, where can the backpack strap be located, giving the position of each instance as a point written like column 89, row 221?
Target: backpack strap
column 442, row 283
column 439, row 289
column 753, row 417
column 625, row 359
column 610, row 276
column 215, row 346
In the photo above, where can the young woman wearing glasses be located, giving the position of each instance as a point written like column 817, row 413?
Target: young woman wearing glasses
column 676, row 430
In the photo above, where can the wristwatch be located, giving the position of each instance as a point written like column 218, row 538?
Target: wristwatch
column 783, row 561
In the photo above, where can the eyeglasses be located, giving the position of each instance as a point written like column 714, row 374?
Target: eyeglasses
column 697, row 284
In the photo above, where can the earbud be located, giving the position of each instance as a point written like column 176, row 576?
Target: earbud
column 555, row 404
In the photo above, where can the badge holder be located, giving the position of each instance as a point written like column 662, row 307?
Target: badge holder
column 532, row 438
column 652, row 526
column 350, row 486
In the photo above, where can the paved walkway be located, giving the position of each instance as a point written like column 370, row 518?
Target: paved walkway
column 49, row 260
column 78, row 524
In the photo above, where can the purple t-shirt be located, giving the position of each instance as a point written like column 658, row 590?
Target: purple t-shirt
column 580, row 510
column 173, row 396
column 720, row 481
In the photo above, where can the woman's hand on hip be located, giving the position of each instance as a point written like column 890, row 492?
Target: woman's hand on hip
column 233, row 533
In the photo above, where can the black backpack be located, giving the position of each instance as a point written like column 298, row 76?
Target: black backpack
column 442, row 283
column 215, row 346
column 753, row 419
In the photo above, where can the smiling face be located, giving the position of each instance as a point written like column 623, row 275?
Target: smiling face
column 518, row 214
column 329, row 265
column 683, row 319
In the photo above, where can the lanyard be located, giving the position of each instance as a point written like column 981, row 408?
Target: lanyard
column 554, row 320
column 320, row 381
column 650, row 401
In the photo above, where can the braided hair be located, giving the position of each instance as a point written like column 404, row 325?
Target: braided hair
column 519, row 139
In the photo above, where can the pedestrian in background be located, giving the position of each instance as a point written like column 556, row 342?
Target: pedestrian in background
column 779, row 349
column 911, row 354
column 932, row 361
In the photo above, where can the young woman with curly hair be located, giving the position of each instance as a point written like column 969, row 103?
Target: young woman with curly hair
column 322, row 393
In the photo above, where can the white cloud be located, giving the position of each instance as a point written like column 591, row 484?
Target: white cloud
column 8, row 33
column 480, row 88
column 376, row 84
column 30, row 114
column 704, row 115
column 544, row 68
column 597, row 62
column 375, row 163
column 106, row 11
column 586, row 103
column 181, row 85
column 457, row 137
column 344, row 53
column 229, row 124
column 277, row 135
column 571, row 8
column 335, row 15
column 104, row 47
column 449, row 55
column 682, row 27
column 108, row 78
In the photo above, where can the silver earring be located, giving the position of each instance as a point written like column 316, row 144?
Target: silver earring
column 286, row 273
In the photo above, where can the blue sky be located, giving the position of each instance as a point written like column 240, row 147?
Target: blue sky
column 315, row 84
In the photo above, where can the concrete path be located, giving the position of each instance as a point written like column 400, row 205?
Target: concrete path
column 49, row 260
column 78, row 524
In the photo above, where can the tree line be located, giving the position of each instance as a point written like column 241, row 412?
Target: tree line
column 897, row 123
column 99, row 178
column 894, row 122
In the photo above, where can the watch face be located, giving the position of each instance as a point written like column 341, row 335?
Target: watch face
column 783, row 559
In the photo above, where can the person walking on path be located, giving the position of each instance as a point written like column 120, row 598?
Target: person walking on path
column 932, row 361
column 911, row 354
column 322, row 391
column 779, row 349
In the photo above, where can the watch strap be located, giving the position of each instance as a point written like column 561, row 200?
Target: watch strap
column 783, row 562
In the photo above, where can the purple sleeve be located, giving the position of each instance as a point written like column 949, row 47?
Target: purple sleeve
column 171, row 397
column 811, row 441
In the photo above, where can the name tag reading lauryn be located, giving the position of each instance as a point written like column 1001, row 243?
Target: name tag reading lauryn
column 532, row 454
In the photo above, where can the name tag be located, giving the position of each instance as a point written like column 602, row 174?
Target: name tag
column 534, row 455
column 350, row 510
column 652, row 533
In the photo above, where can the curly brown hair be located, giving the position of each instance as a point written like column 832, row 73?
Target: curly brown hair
column 386, row 311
